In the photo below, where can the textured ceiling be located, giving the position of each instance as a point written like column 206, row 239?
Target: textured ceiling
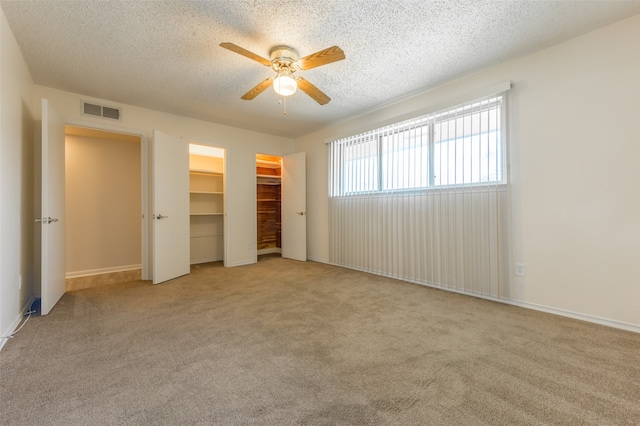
column 165, row 55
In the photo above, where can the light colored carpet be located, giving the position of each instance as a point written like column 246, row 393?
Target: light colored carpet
column 282, row 342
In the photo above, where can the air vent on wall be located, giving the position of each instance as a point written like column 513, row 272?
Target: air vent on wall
column 102, row 111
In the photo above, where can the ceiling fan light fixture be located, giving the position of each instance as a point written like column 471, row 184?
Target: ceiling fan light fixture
column 285, row 84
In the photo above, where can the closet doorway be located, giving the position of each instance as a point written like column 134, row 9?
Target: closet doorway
column 206, row 203
column 269, row 204
column 103, row 207
column 281, row 205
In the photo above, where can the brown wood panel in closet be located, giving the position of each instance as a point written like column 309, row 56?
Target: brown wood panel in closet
column 268, row 171
column 269, row 216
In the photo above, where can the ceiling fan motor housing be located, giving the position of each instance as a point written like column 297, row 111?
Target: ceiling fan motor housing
column 283, row 56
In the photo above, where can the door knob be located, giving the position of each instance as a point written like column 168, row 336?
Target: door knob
column 46, row 220
column 161, row 217
column 301, row 213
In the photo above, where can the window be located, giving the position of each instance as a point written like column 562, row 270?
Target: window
column 425, row 200
column 462, row 145
column 360, row 171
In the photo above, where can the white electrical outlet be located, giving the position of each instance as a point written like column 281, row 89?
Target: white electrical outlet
column 520, row 270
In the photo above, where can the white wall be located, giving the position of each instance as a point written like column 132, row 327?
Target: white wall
column 575, row 168
column 103, row 231
column 241, row 146
column 16, row 182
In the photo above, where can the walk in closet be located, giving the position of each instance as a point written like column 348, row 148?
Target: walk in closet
column 206, row 203
column 269, row 197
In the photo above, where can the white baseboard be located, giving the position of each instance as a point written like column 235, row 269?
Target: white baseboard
column 575, row 315
column 12, row 328
column 550, row 310
column 110, row 270
column 269, row 250
column 233, row 265
column 319, row 260
column 198, row 261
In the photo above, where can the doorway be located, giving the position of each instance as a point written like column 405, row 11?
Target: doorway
column 269, row 204
column 103, row 207
column 206, row 203
column 281, row 205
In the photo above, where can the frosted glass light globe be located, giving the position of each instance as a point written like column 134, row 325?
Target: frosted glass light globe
column 284, row 84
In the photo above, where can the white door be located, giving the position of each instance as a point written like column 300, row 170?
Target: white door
column 170, row 209
column 51, row 220
column 294, row 206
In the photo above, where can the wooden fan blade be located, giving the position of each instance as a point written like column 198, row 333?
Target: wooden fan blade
column 311, row 90
column 244, row 52
column 258, row 89
column 323, row 57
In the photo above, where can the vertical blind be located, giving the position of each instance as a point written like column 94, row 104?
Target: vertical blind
column 426, row 200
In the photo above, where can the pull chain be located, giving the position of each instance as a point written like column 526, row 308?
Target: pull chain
column 283, row 101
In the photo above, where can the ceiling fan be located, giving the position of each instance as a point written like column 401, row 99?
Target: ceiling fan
column 285, row 62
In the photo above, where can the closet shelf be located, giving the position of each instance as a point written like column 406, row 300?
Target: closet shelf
column 206, row 192
column 206, row 214
column 268, row 164
column 206, row 235
column 268, row 180
column 204, row 172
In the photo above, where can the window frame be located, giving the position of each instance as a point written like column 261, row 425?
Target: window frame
column 477, row 106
